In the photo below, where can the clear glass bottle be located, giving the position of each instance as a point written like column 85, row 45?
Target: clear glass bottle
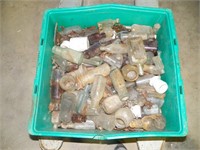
column 94, row 61
column 68, row 83
column 136, row 53
column 65, row 65
column 119, row 84
column 83, row 96
column 68, row 54
column 56, row 91
column 117, row 47
column 89, row 76
column 104, row 121
column 157, row 68
column 106, row 27
column 97, row 90
column 88, row 125
column 130, row 72
column 149, row 123
column 123, row 117
column 144, row 79
column 68, row 102
column 154, row 109
column 111, row 104
column 143, row 31
column 115, row 60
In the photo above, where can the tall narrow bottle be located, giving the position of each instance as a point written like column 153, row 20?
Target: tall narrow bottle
column 55, row 88
column 119, row 84
column 97, row 90
column 68, row 54
column 67, row 107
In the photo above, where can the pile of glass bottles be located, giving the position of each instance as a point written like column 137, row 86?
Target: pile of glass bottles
column 107, row 78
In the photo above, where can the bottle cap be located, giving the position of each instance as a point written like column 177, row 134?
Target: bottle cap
column 159, row 85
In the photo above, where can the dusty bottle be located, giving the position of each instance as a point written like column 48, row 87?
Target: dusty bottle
column 137, row 50
column 130, row 72
column 151, row 111
column 88, row 125
column 104, row 121
column 157, row 101
column 157, row 68
column 65, row 65
column 146, row 32
column 79, row 72
column 94, row 61
column 55, row 88
column 117, row 47
column 68, row 54
column 130, row 84
column 144, row 79
column 93, row 38
column 136, row 53
column 67, row 107
column 55, row 119
column 114, row 60
column 109, row 90
column 123, row 117
column 149, row 123
column 93, row 50
column 119, row 84
column 111, row 104
column 89, row 76
column 82, row 100
column 68, row 83
column 97, row 91
column 106, row 27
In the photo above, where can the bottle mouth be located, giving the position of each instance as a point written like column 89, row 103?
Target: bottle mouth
column 119, row 123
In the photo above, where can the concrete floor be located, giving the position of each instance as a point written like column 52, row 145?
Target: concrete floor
column 20, row 28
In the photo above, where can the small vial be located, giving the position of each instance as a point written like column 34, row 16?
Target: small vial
column 67, row 107
column 55, row 88
column 88, row 125
column 97, row 91
column 119, row 84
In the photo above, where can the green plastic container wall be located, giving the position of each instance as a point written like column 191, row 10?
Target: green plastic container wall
column 174, row 108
